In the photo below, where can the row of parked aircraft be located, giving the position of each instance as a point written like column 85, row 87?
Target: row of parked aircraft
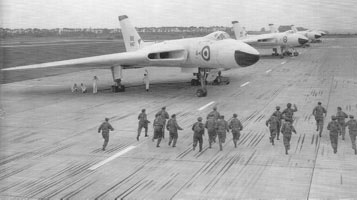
column 203, row 56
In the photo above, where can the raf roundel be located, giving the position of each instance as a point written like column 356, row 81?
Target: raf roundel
column 206, row 53
column 285, row 39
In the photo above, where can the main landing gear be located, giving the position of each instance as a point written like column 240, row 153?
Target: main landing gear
column 205, row 77
column 201, row 79
column 117, row 76
column 285, row 52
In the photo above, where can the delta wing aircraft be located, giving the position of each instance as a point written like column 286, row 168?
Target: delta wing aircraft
column 273, row 40
column 310, row 34
column 212, row 53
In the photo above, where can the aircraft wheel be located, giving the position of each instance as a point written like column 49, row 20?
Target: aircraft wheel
column 201, row 92
column 296, row 53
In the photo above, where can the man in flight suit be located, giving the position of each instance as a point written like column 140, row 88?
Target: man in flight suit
column 273, row 123
column 164, row 116
column 198, row 131
column 341, row 116
column 158, row 126
column 143, row 123
column 334, row 128
column 319, row 112
column 221, row 129
column 214, row 113
column 105, row 127
column 236, row 127
column 172, row 127
column 211, row 129
column 289, row 112
column 287, row 130
column 279, row 116
column 352, row 127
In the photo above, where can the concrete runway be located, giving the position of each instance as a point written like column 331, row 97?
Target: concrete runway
column 50, row 147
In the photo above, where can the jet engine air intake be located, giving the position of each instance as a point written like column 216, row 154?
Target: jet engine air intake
column 179, row 54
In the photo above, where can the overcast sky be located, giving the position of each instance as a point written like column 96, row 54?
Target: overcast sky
column 330, row 15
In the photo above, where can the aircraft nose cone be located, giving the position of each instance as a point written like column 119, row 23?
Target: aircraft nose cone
column 302, row 41
column 245, row 59
column 317, row 36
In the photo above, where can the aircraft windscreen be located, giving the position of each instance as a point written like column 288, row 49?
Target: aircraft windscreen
column 219, row 35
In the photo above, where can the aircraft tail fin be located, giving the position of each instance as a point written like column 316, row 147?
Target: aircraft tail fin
column 239, row 32
column 293, row 28
column 273, row 28
column 132, row 39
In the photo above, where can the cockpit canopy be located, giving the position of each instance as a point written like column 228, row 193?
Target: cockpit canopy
column 218, row 35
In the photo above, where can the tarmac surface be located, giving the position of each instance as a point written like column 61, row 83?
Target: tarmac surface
column 50, row 148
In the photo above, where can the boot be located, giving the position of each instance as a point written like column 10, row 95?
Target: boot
column 137, row 138
column 158, row 142
column 286, row 151
column 272, row 142
column 270, row 139
column 335, row 151
column 355, row 151
column 210, row 145
column 235, row 144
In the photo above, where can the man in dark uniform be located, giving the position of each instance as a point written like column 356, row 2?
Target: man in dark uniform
column 289, row 112
column 143, row 123
column 341, row 116
column 172, row 127
column 198, row 131
column 236, row 127
column 221, row 129
column 279, row 116
column 334, row 128
column 211, row 129
column 319, row 112
column 352, row 127
column 164, row 117
column 158, row 126
column 214, row 113
column 287, row 130
column 273, row 127
column 105, row 127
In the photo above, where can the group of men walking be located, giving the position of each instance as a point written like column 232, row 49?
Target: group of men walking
column 282, row 122
column 217, row 126
column 337, row 126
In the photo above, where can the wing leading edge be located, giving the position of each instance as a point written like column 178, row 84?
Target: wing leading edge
column 126, row 58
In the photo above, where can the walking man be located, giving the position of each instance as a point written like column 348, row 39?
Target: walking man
column 341, row 116
column 287, row 130
column 334, row 128
column 352, row 127
column 221, row 128
column 236, row 127
column 105, row 127
column 172, row 127
column 214, row 113
column 289, row 112
column 164, row 116
column 143, row 123
column 95, row 82
column 198, row 131
column 158, row 127
column 273, row 127
column 320, row 113
column 279, row 116
column 211, row 129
